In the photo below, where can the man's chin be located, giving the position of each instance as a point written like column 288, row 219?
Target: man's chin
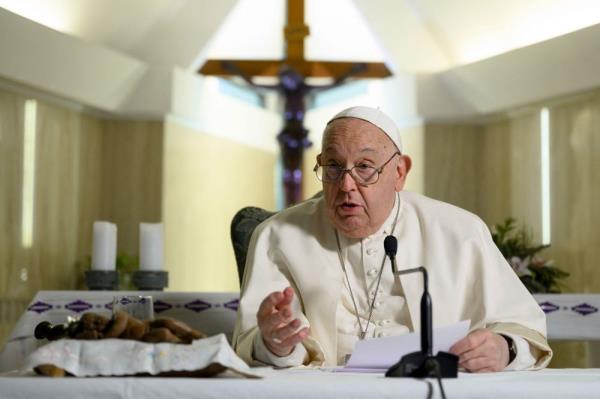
column 351, row 226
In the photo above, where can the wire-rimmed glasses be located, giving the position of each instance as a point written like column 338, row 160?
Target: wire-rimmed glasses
column 363, row 174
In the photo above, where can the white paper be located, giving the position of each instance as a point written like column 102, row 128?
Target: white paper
column 377, row 354
column 151, row 246
column 104, row 249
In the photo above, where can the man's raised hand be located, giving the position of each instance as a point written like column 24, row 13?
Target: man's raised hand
column 278, row 329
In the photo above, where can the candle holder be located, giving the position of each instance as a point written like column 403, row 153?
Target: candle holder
column 102, row 280
column 149, row 280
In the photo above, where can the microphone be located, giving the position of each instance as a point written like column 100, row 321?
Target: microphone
column 390, row 244
column 426, row 312
column 421, row 364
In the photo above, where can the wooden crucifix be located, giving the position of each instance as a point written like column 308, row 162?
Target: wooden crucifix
column 292, row 72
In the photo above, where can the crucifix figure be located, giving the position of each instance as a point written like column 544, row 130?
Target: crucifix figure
column 292, row 72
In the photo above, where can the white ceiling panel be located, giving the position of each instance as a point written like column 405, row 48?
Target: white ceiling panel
column 472, row 30
column 415, row 35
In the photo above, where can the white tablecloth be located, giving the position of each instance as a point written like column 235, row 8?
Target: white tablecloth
column 288, row 384
column 573, row 317
column 570, row 316
column 211, row 313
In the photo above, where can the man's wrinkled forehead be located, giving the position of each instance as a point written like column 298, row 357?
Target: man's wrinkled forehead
column 345, row 130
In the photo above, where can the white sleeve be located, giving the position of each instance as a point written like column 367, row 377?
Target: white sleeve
column 263, row 354
column 523, row 359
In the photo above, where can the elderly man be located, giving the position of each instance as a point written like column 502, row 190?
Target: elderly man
column 317, row 280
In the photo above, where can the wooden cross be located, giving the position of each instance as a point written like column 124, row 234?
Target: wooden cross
column 292, row 72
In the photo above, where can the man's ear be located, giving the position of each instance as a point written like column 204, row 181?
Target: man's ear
column 319, row 159
column 402, row 168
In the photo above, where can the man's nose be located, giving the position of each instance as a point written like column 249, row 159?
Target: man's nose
column 347, row 182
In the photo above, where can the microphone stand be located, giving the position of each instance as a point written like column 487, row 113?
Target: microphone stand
column 423, row 364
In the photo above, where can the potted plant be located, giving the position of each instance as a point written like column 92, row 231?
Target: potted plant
column 537, row 274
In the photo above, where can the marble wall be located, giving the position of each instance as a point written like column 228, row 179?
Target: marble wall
column 132, row 177
column 575, row 189
column 451, row 163
column 490, row 168
column 49, row 257
column 493, row 169
column 575, row 193
column 84, row 169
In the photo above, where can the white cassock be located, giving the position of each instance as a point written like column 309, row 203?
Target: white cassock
column 468, row 279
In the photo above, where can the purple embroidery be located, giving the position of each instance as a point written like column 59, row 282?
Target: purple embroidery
column 108, row 306
column 233, row 305
column 197, row 305
column 584, row 309
column 39, row 307
column 160, row 306
column 548, row 307
column 78, row 306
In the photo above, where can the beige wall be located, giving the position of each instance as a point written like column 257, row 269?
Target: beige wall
column 207, row 179
column 575, row 191
column 451, row 159
column 64, row 202
column 86, row 169
column 413, row 142
column 310, row 184
column 491, row 169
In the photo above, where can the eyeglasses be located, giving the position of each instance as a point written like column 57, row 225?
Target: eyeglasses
column 362, row 174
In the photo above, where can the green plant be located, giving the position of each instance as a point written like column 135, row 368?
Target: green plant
column 537, row 274
column 126, row 265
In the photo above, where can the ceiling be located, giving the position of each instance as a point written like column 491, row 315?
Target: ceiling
column 413, row 35
column 451, row 59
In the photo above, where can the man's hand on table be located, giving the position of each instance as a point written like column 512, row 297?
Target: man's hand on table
column 482, row 351
column 279, row 331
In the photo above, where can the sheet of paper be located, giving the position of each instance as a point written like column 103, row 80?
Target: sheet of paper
column 378, row 354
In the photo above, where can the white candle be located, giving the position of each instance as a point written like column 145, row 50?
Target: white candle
column 151, row 246
column 104, row 251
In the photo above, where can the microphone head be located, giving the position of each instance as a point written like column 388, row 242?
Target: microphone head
column 391, row 246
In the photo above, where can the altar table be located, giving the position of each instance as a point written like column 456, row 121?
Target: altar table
column 569, row 316
column 311, row 383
